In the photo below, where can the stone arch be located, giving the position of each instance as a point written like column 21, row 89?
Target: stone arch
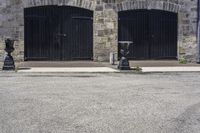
column 86, row 4
column 147, row 4
column 176, row 7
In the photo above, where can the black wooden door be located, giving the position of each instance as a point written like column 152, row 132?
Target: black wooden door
column 153, row 32
column 52, row 33
column 77, row 32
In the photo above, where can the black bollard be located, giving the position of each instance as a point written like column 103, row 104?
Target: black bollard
column 124, row 63
column 9, row 63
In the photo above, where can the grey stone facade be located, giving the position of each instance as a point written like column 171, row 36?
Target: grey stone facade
column 198, row 31
column 105, row 23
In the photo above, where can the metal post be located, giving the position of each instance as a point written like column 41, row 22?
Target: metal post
column 112, row 58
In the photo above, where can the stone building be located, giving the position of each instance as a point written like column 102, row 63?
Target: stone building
column 92, row 28
column 198, row 31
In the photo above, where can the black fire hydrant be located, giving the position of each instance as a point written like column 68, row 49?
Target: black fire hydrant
column 9, row 63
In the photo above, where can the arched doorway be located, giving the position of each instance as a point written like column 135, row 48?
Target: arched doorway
column 58, row 33
column 154, row 33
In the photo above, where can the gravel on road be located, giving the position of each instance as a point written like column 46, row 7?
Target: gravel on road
column 100, row 103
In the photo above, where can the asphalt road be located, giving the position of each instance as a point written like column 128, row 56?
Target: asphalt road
column 100, row 103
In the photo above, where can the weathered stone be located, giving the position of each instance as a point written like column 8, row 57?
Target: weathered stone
column 99, row 8
column 105, row 22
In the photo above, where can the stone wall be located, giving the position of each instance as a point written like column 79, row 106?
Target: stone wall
column 198, row 31
column 188, row 47
column 105, row 22
column 187, row 24
column 12, row 20
column 105, row 30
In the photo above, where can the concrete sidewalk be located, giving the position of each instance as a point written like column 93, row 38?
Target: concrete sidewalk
column 96, row 67
column 160, row 63
column 104, row 69
column 170, row 69
column 58, row 64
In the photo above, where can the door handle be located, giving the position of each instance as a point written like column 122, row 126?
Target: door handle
column 61, row 35
column 64, row 35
